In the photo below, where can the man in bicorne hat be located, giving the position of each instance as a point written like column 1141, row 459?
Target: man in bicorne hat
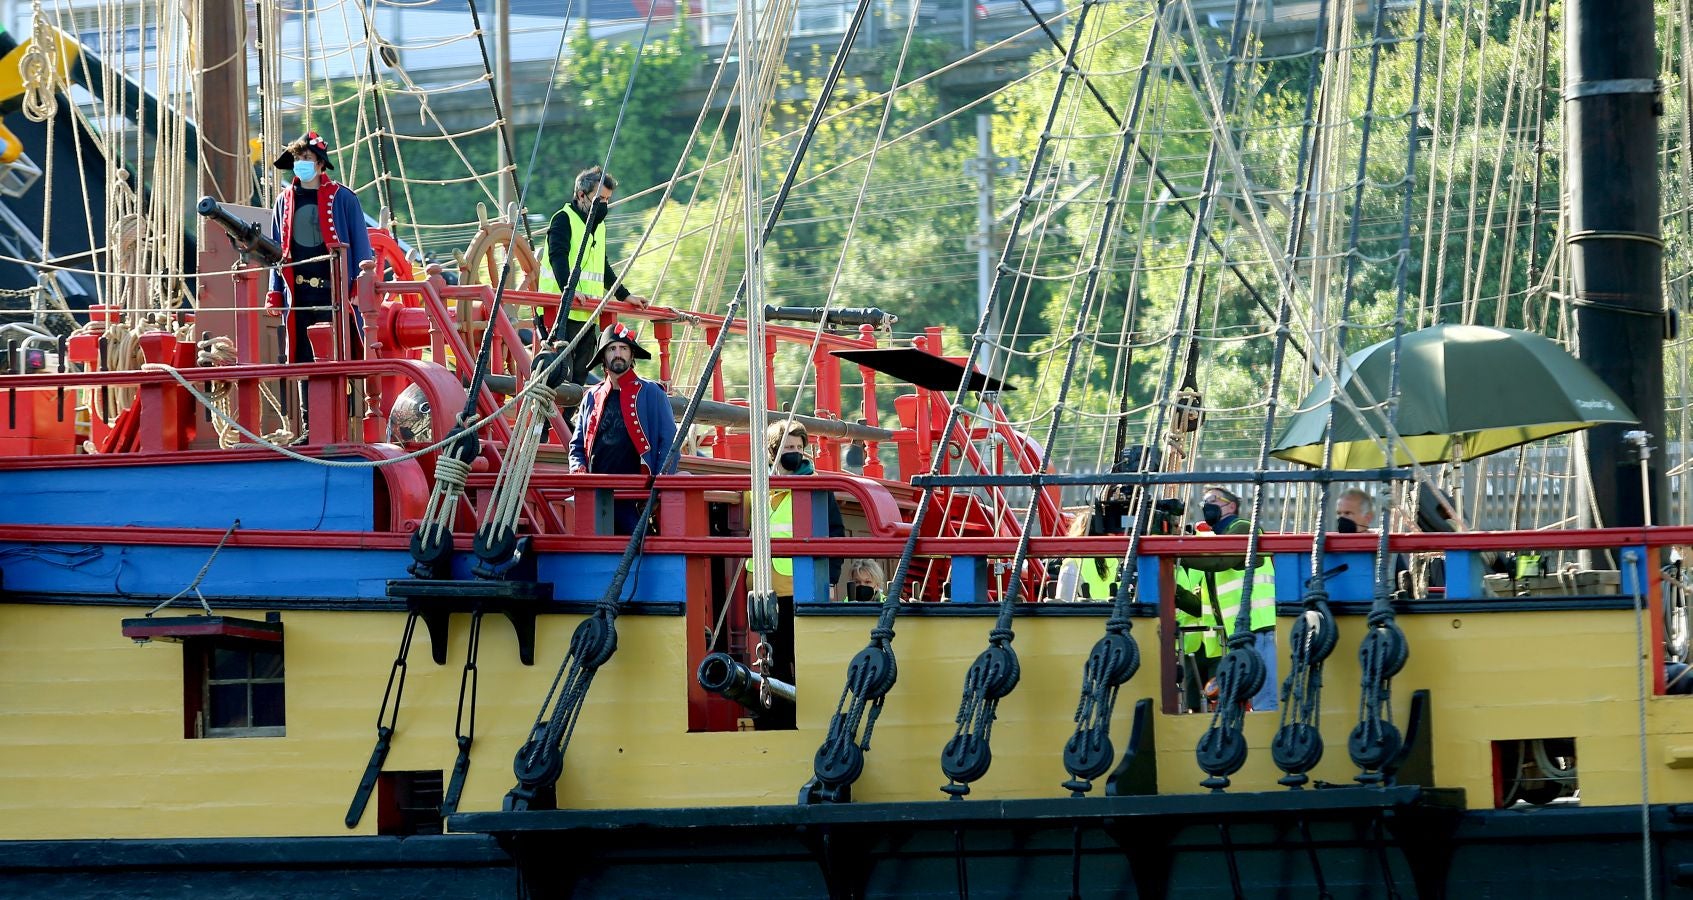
column 624, row 425
column 315, row 217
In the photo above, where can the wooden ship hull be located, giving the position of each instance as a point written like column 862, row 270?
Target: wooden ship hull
column 332, row 699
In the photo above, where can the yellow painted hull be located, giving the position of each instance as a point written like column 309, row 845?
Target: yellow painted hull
column 92, row 743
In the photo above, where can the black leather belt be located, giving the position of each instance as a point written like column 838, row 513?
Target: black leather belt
column 311, row 282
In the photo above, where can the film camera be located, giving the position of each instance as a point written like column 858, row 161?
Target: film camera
column 1113, row 512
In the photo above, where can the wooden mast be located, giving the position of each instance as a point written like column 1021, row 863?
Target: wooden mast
column 1611, row 105
column 224, row 171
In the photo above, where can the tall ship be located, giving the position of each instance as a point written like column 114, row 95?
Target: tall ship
column 1251, row 461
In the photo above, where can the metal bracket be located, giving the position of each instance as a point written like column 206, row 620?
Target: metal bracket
column 1137, row 773
column 1414, row 763
column 436, row 601
column 1613, row 86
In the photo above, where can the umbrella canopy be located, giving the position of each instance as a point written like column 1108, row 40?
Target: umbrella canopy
column 1464, row 391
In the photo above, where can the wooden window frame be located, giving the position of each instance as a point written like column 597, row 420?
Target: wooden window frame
column 197, row 683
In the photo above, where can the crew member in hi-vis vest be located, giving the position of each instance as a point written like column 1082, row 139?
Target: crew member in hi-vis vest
column 1210, row 589
column 788, row 446
column 579, row 229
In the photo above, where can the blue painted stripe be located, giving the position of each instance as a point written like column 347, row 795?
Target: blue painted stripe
column 281, row 494
column 148, row 572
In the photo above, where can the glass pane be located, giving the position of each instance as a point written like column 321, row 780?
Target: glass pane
column 267, row 664
column 229, row 663
column 228, row 706
column 267, row 704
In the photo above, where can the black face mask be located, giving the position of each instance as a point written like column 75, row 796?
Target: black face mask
column 1346, row 526
column 1212, row 513
column 792, row 460
column 861, row 593
column 597, row 212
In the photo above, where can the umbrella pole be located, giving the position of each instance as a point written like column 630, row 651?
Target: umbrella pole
column 1640, row 440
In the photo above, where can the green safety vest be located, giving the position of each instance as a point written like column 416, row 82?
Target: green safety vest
column 1231, row 584
column 781, row 526
column 1097, row 584
column 592, row 283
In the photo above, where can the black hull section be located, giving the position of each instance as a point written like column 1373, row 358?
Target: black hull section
column 1409, row 847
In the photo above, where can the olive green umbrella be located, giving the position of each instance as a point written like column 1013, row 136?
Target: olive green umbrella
column 1464, row 391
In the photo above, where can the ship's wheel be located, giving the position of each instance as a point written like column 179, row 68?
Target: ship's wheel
column 495, row 239
column 392, row 264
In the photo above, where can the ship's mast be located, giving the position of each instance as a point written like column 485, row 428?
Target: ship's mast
column 224, row 172
column 1615, row 250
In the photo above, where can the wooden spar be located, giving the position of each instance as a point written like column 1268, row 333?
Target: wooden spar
column 1611, row 105
column 224, row 171
column 725, row 414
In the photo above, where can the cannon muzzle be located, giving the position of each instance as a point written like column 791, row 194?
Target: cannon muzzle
column 835, row 318
column 249, row 237
column 722, row 675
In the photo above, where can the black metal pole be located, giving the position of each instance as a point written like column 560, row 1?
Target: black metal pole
column 1611, row 105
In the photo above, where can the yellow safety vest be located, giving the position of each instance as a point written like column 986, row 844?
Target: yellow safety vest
column 781, row 526
column 1231, row 584
column 592, row 283
column 1098, row 585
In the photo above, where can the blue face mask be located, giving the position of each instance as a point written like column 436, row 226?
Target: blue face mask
column 305, row 169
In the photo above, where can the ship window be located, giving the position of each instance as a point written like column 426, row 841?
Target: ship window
column 409, row 802
column 233, row 688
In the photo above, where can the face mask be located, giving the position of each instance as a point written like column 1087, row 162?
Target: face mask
column 792, row 460
column 597, row 212
column 861, row 593
column 305, row 169
column 1346, row 526
column 1213, row 514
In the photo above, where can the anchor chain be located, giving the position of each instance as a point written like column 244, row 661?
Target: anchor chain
column 384, row 729
column 464, row 726
column 761, row 659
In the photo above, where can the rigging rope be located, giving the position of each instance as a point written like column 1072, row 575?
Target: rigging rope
column 1374, row 744
column 1222, row 749
column 1298, row 744
column 540, row 760
column 872, row 673
column 994, row 674
column 1115, row 657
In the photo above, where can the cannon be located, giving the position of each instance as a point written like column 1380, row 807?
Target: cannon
column 724, row 676
column 248, row 237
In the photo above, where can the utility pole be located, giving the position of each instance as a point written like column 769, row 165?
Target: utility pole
column 983, row 168
column 1614, row 247
column 969, row 29
column 502, row 87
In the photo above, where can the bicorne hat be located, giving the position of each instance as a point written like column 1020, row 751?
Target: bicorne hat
column 619, row 333
column 310, row 139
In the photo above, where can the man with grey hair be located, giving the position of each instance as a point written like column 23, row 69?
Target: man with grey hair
column 1355, row 511
column 577, row 230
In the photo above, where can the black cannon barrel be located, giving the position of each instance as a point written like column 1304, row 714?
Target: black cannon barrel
column 724, row 676
column 248, row 236
column 867, row 315
column 711, row 412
